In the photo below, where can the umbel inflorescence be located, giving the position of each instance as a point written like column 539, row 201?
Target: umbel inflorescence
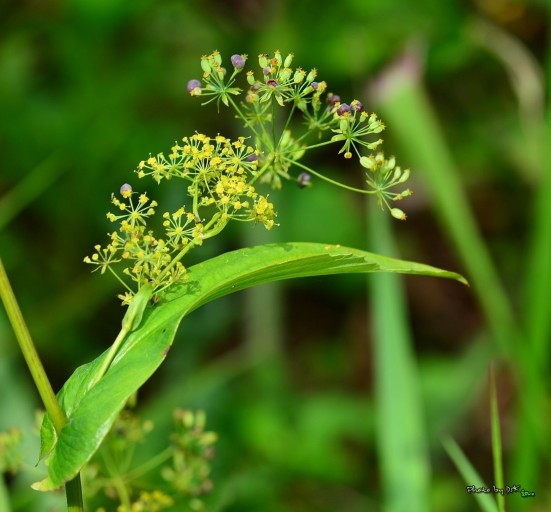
column 222, row 174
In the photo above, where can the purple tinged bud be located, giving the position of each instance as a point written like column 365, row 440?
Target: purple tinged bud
column 272, row 83
column 253, row 157
column 192, row 85
column 254, row 87
column 304, row 179
column 267, row 70
column 126, row 190
column 238, row 61
column 356, row 106
column 343, row 109
column 333, row 98
column 314, row 85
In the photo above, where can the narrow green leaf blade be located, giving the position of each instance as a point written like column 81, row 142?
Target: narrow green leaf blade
column 485, row 501
column 91, row 412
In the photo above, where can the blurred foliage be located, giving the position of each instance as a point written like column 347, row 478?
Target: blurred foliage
column 89, row 88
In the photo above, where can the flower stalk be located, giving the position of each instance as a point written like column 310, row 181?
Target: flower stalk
column 73, row 488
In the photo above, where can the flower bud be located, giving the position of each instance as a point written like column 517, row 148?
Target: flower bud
column 304, row 179
column 332, row 99
column 126, row 190
column 277, row 61
column 343, row 109
column 194, row 87
column 356, row 106
column 238, row 61
column 266, row 70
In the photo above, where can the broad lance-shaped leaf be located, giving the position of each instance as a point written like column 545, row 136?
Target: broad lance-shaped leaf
column 91, row 412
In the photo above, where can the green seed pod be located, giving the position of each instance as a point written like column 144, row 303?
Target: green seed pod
column 284, row 74
column 344, row 124
column 312, row 75
column 288, row 60
column 299, row 76
column 404, row 177
column 398, row 214
column 367, row 162
column 263, row 60
column 205, row 66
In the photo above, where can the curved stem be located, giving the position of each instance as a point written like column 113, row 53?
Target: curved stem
column 329, row 180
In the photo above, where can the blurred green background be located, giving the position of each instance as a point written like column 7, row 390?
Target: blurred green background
column 295, row 377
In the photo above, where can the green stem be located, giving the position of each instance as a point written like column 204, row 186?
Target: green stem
column 73, row 492
column 285, row 127
column 29, row 352
column 149, row 465
column 193, row 243
column 319, row 145
column 4, row 496
column 73, row 488
column 329, row 180
column 110, row 356
column 241, row 115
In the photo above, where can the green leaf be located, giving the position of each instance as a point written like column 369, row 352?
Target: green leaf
column 486, row 501
column 92, row 410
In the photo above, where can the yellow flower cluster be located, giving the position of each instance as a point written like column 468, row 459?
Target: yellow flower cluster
column 203, row 156
column 219, row 172
column 148, row 258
